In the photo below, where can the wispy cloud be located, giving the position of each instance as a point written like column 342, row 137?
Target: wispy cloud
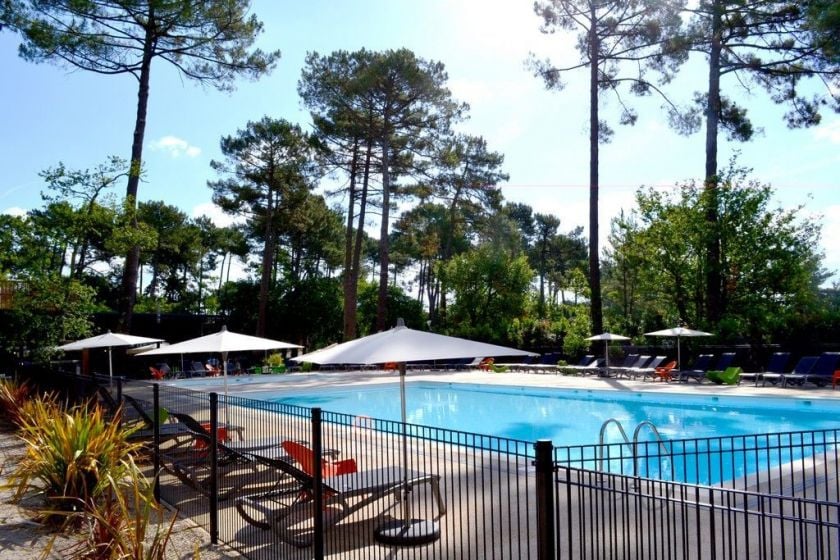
column 15, row 211
column 216, row 215
column 829, row 131
column 175, row 147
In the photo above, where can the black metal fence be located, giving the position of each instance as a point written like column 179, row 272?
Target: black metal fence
column 378, row 484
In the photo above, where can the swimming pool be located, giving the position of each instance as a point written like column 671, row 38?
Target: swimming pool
column 569, row 416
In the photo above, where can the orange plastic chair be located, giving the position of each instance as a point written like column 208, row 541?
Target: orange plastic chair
column 212, row 371
column 201, row 444
column 306, row 458
column 486, row 364
column 156, row 373
column 835, row 379
column 663, row 373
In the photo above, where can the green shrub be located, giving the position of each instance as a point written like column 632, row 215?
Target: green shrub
column 72, row 456
column 306, row 366
column 275, row 363
column 274, row 360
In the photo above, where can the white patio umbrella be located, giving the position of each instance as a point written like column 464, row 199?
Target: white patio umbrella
column 401, row 344
column 607, row 337
column 108, row 340
column 221, row 342
column 678, row 332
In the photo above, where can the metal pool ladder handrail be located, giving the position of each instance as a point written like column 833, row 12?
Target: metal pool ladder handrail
column 634, row 445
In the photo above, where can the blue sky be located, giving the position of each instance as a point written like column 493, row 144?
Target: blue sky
column 50, row 114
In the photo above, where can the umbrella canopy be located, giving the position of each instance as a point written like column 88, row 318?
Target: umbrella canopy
column 401, row 344
column 678, row 332
column 607, row 337
column 108, row 340
column 221, row 342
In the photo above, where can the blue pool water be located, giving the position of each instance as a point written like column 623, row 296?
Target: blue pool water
column 569, row 416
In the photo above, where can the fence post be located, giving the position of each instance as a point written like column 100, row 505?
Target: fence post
column 544, row 464
column 156, row 438
column 318, row 494
column 120, row 380
column 214, row 484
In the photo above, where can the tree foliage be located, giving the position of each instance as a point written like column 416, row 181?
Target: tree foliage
column 207, row 41
column 490, row 288
column 47, row 311
column 824, row 21
column 771, row 266
column 267, row 177
column 748, row 45
column 619, row 42
column 381, row 113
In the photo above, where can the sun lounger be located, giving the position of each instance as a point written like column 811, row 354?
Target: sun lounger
column 589, row 364
column 698, row 371
column 823, row 371
column 167, row 430
column 778, row 362
column 289, row 511
column 797, row 376
column 629, row 361
column 191, row 464
column 648, row 370
column 641, row 361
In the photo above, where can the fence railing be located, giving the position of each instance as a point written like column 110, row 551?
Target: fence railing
column 803, row 464
column 757, row 496
column 604, row 515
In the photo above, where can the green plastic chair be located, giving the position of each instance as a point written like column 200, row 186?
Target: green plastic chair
column 729, row 376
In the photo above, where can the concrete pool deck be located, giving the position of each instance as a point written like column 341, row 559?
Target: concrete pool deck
column 242, row 385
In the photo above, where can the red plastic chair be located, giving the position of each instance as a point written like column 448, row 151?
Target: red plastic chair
column 663, row 373
column 306, row 458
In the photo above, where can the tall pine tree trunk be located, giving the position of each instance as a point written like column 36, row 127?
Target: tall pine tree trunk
column 349, row 300
column 594, row 263
column 267, row 266
column 382, row 300
column 132, row 259
column 713, row 272
column 360, row 235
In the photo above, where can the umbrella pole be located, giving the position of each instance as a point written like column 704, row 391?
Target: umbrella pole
column 224, row 377
column 110, row 367
column 403, row 415
column 407, row 531
column 679, row 358
column 607, row 355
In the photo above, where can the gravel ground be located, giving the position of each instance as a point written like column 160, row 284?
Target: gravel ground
column 21, row 538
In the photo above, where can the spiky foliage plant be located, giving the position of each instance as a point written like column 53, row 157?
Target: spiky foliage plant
column 125, row 523
column 71, row 457
column 13, row 398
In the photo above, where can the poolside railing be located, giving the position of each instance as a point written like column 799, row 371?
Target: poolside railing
column 803, row 463
column 756, row 496
column 604, row 515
